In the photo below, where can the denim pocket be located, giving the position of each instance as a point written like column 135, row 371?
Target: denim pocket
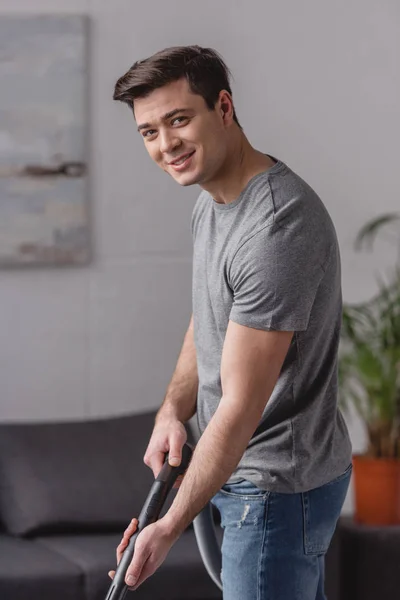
column 244, row 490
column 241, row 505
column 321, row 509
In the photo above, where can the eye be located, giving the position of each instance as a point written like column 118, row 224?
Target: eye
column 177, row 119
column 149, row 131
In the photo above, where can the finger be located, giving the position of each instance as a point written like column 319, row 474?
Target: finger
column 131, row 528
column 147, row 571
column 120, row 550
column 175, row 449
column 111, row 574
column 155, row 462
column 135, row 568
column 129, row 531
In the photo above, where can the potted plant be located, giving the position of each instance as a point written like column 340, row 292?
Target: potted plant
column 369, row 381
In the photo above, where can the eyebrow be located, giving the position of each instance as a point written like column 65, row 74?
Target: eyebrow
column 167, row 116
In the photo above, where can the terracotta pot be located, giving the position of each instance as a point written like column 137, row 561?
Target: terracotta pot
column 377, row 490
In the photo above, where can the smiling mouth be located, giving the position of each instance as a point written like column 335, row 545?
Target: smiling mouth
column 181, row 160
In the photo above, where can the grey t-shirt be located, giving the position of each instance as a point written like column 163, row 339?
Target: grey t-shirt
column 270, row 260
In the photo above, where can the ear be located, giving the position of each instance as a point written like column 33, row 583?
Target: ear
column 226, row 107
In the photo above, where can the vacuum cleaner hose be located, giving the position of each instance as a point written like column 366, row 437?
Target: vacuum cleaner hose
column 208, row 544
column 203, row 527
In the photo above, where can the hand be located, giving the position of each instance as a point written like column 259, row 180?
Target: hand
column 169, row 435
column 151, row 548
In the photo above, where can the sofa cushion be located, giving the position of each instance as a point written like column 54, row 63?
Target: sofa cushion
column 81, row 475
column 29, row 570
column 181, row 577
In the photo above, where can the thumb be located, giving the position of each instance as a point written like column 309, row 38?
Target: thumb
column 140, row 557
column 175, row 452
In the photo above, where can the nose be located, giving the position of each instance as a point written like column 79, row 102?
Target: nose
column 168, row 142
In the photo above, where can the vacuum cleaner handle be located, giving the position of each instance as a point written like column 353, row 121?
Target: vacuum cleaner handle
column 149, row 514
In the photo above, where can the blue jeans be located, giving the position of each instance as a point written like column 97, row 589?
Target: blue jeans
column 274, row 544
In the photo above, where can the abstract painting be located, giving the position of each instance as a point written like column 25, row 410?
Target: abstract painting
column 44, row 216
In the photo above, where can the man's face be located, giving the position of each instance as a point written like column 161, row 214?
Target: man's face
column 177, row 124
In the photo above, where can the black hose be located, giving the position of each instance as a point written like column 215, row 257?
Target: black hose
column 203, row 527
column 149, row 514
column 209, row 547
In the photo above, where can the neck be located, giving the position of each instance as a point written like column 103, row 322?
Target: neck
column 242, row 163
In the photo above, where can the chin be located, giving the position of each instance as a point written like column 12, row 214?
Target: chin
column 186, row 179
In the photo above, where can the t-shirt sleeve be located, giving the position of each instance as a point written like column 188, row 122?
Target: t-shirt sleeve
column 275, row 275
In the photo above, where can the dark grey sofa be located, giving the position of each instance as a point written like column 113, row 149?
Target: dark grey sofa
column 67, row 492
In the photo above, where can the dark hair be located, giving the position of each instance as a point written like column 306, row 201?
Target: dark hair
column 204, row 69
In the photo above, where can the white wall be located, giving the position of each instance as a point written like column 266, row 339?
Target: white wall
column 316, row 83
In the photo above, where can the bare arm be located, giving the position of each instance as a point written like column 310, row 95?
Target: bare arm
column 181, row 395
column 251, row 362
column 169, row 433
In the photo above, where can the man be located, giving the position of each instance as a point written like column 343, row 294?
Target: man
column 259, row 360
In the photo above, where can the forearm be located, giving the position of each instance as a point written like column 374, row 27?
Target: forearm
column 216, row 456
column 181, row 396
column 247, row 386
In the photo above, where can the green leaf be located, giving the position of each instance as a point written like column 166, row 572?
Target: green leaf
column 369, row 231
